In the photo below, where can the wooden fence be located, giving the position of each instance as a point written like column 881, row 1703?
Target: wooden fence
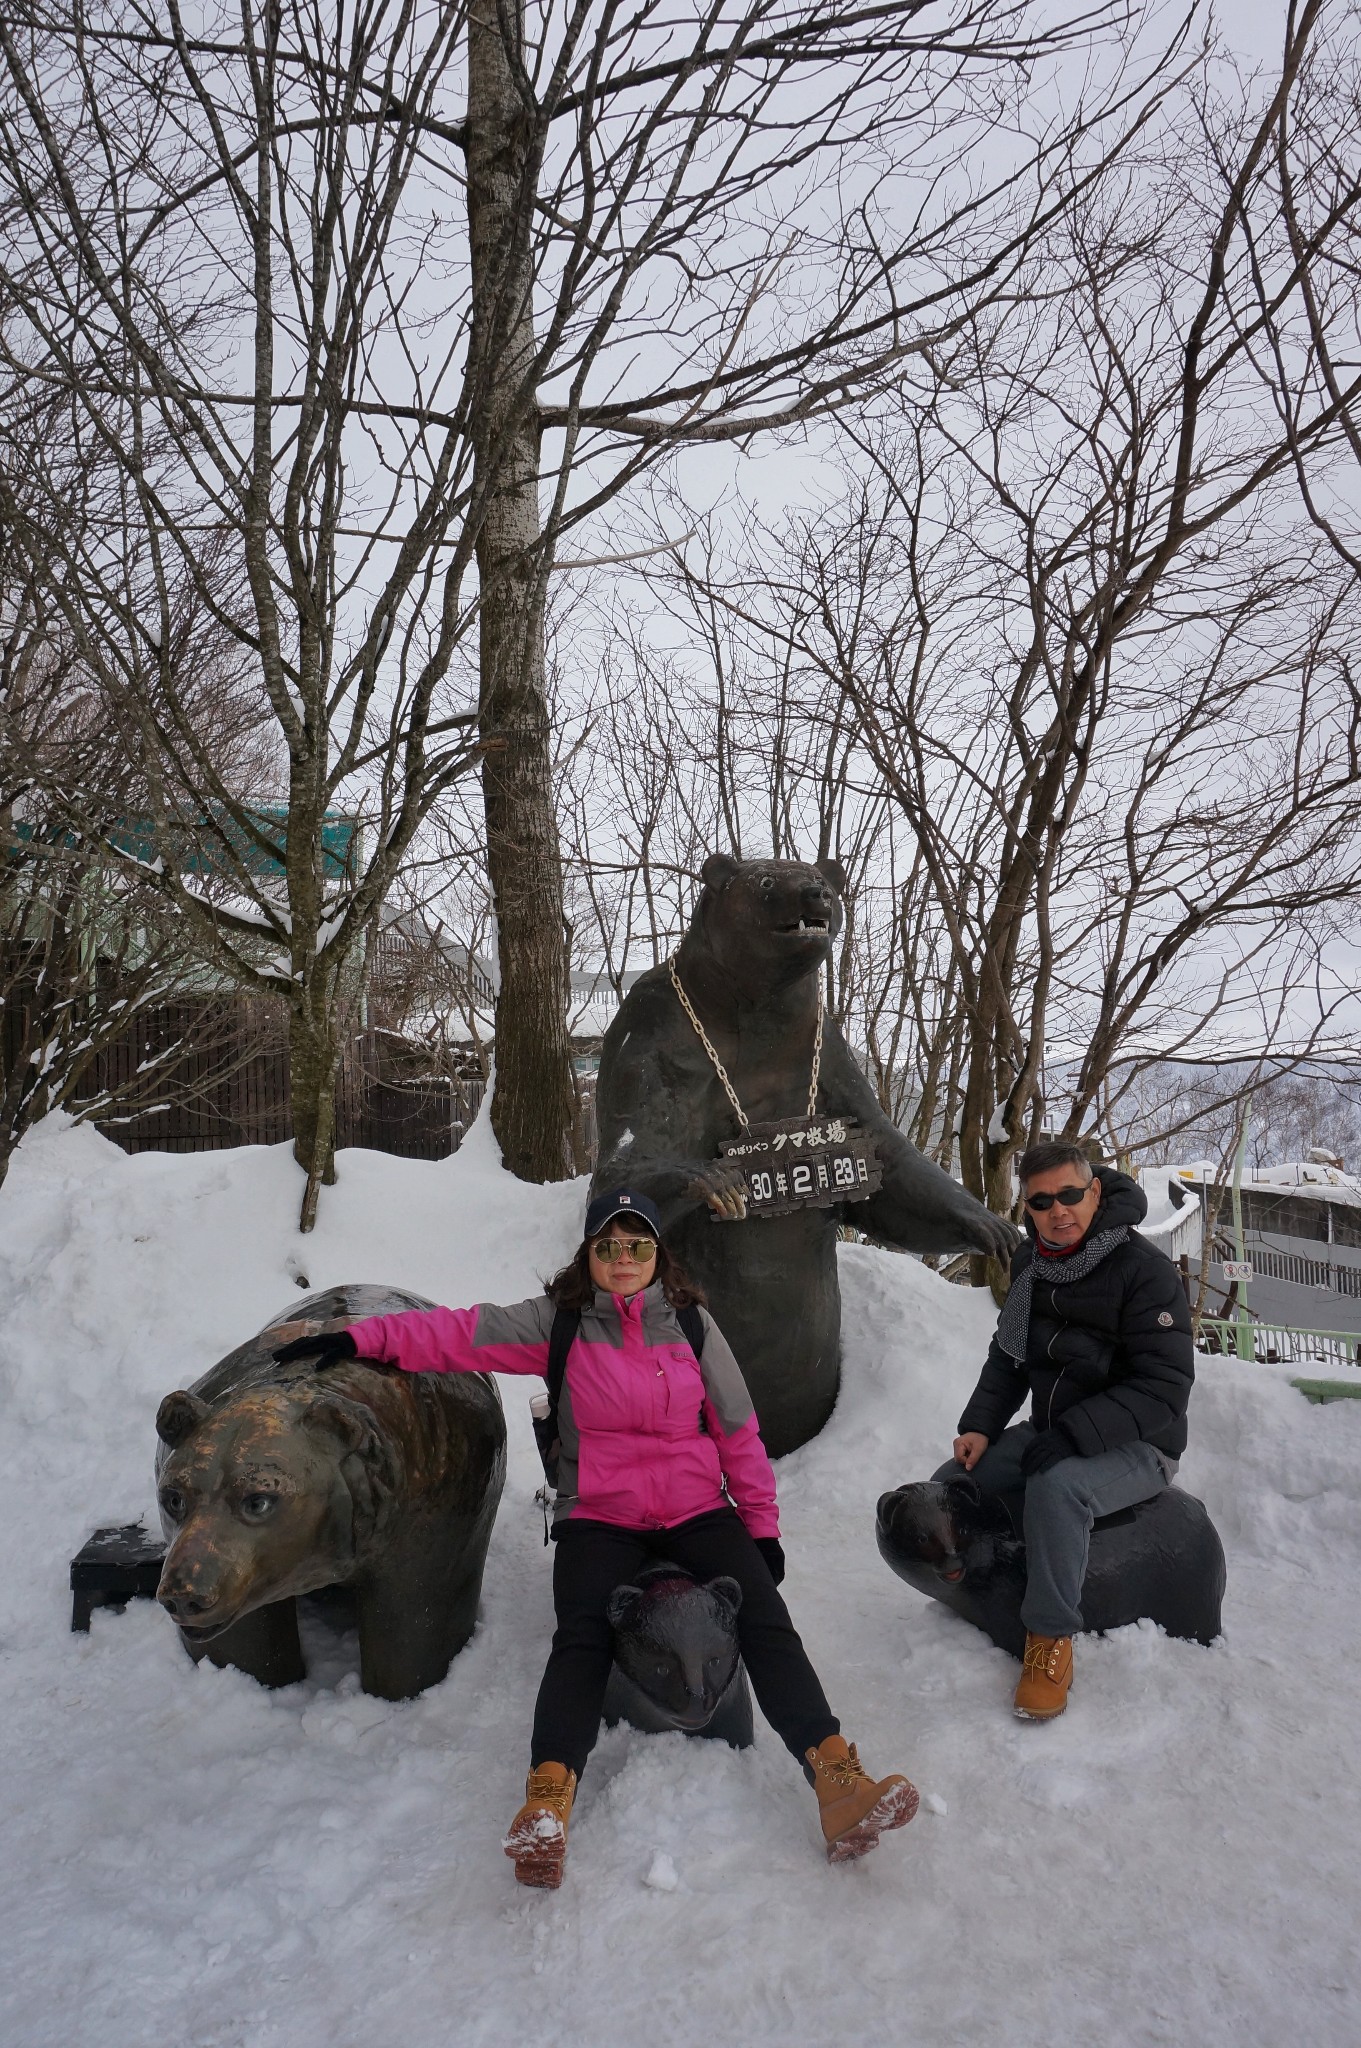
column 225, row 1083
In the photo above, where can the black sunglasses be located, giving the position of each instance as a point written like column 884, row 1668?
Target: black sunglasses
column 1070, row 1197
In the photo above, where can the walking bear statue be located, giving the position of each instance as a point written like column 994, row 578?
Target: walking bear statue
column 751, row 968
column 1160, row 1561
column 274, row 1482
column 676, row 1658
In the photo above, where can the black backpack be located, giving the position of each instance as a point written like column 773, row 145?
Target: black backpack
column 566, row 1323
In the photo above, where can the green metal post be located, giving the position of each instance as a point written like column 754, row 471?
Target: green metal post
column 1246, row 1348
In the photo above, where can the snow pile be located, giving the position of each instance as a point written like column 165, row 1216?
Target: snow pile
column 188, row 1858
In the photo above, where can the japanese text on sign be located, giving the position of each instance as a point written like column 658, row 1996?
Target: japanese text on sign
column 803, row 1163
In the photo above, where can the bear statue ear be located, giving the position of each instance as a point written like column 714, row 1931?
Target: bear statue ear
column 367, row 1465
column 339, row 1418
column 718, row 870
column 833, row 872
column 178, row 1416
column 622, row 1603
column 727, row 1592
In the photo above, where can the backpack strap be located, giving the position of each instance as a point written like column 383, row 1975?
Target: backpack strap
column 562, row 1336
column 692, row 1328
column 692, row 1323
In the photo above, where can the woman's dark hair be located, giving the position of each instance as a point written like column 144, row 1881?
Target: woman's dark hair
column 574, row 1288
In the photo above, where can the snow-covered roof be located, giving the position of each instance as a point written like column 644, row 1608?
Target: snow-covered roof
column 1292, row 1177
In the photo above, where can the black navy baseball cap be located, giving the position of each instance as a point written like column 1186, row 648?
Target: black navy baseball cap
column 622, row 1202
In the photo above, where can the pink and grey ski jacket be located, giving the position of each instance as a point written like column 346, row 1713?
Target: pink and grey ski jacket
column 650, row 1434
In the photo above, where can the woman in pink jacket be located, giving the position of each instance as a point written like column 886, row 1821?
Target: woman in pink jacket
column 661, row 1458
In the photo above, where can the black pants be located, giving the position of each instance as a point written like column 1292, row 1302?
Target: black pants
column 592, row 1558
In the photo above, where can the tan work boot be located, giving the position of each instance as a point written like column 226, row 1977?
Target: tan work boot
column 1046, row 1674
column 538, row 1834
column 855, row 1808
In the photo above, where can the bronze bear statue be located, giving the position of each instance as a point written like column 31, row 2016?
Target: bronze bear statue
column 676, row 1659
column 275, row 1481
column 750, row 965
column 1159, row 1561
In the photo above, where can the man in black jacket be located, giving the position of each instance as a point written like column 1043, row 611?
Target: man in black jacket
column 1097, row 1330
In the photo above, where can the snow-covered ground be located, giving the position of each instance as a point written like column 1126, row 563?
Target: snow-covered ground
column 188, row 1859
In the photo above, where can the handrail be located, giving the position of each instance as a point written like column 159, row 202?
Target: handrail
column 1277, row 1343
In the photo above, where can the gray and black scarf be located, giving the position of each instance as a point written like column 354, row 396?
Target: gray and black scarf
column 1013, row 1325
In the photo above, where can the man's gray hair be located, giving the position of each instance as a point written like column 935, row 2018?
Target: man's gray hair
column 1052, row 1152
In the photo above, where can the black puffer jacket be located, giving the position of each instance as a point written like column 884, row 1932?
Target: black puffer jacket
column 1109, row 1357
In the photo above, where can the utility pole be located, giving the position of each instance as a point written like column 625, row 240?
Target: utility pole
column 1243, row 1334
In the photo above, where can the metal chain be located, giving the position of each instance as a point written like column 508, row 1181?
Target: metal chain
column 717, row 1063
column 817, row 1058
column 707, row 1043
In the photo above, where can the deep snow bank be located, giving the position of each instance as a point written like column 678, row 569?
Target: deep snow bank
column 188, row 1858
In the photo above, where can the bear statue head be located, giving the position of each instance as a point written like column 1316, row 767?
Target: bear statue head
column 262, row 1496
column 935, row 1534
column 677, row 1641
column 769, row 922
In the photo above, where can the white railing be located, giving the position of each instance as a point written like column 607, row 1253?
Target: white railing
column 1272, row 1265
column 1178, row 1233
column 1277, row 1343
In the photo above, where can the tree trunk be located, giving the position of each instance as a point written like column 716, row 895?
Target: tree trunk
column 984, row 1162
column 533, row 1101
column 313, row 1061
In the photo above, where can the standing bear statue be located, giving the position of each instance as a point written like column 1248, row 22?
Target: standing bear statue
column 749, row 976
column 275, row 1481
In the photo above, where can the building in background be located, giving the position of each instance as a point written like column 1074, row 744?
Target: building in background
column 1301, row 1237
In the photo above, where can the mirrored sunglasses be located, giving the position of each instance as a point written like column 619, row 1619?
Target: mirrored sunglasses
column 639, row 1249
column 1070, row 1197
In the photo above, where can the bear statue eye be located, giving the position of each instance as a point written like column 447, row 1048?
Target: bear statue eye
column 661, row 1671
column 255, row 1506
column 714, row 1663
column 767, row 884
column 173, row 1503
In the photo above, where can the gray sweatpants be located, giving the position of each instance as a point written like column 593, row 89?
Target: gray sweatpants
column 1060, row 1507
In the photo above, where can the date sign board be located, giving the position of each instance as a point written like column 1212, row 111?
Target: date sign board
column 803, row 1162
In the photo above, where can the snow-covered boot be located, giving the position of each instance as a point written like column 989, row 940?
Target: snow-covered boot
column 537, row 1839
column 1046, row 1674
column 856, row 1808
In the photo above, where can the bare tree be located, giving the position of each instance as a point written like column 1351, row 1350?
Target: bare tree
column 670, row 758
column 218, row 229
column 89, row 954
column 431, row 972
column 655, row 264
column 1102, row 670
column 356, row 348
column 1299, row 298
column 1301, row 1103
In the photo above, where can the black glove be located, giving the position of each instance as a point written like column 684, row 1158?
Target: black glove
column 1050, row 1447
column 769, row 1547
column 328, row 1347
